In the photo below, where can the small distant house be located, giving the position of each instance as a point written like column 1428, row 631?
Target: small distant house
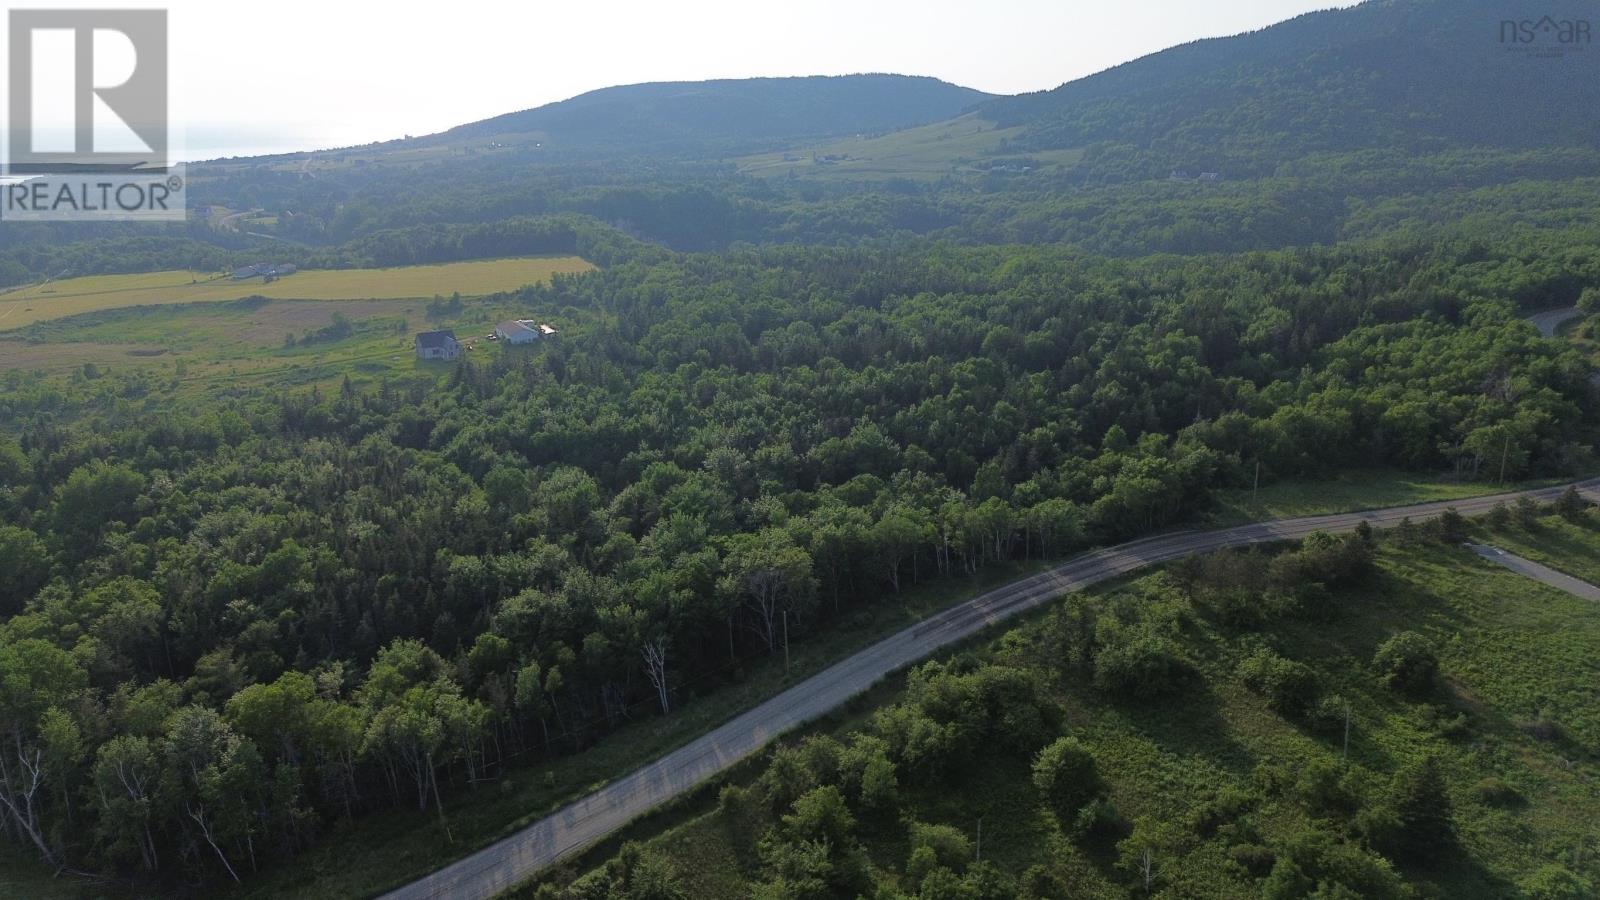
column 438, row 345
column 1210, row 176
column 522, row 331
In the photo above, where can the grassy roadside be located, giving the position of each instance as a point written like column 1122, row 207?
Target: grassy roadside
column 1513, row 652
column 1352, row 491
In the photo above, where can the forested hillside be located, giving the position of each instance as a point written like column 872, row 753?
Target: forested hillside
column 232, row 622
column 1419, row 76
column 1393, row 116
column 674, row 117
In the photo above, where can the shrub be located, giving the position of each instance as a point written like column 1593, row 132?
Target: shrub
column 1406, row 663
column 1064, row 774
column 1097, row 818
column 821, row 815
column 1527, row 513
column 1328, row 715
column 1496, row 791
column 941, row 845
column 1451, row 527
column 786, row 778
column 1589, row 301
column 1326, row 790
column 1571, row 505
column 1289, row 687
column 1229, row 805
column 880, row 788
column 1257, row 861
column 1317, row 860
column 1499, row 516
column 1143, row 667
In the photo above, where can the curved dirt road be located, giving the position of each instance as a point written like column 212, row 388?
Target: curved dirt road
column 504, row 864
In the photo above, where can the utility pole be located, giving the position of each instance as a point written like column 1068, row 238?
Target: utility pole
column 786, row 641
column 978, row 852
column 1255, row 490
column 1504, row 452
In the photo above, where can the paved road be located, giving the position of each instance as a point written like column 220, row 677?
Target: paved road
column 513, row 859
column 1547, row 321
column 1538, row 572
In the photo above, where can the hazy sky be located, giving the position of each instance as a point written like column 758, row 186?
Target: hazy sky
column 254, row 76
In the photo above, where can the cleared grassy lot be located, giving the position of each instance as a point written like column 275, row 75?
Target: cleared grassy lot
column 74, row 296
column 201, row 348
column 966, row 144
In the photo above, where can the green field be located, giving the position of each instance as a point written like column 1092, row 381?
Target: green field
column 965, row 145
column 74, row 296
column 1512, row 653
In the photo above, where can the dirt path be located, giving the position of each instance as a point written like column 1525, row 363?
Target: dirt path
column 1538, row 572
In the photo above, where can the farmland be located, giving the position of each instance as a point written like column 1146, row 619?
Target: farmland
column 234, row 345
column 75, row 296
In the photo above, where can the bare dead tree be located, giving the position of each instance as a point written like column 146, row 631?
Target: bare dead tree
column 655, row 666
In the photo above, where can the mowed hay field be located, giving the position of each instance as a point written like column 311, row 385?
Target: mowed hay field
column 74, row 296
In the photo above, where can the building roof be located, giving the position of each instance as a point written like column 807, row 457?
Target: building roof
column 514, row 326
column 436, row 340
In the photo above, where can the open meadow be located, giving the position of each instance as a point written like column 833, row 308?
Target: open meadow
column 240, row 344
column 966, row 144
column 75, row 296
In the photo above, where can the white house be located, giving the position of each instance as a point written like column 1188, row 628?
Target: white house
column 522, row 331
column 437, row 345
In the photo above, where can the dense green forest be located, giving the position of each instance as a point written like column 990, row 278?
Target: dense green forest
column 232, row 621
column 237, row 616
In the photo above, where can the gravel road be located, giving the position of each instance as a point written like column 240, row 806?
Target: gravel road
column 1538, row 572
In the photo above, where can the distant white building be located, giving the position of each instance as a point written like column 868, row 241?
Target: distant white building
column 522, row 331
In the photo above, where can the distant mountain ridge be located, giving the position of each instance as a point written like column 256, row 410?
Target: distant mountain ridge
column 1417, row 75
column 735, row 111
